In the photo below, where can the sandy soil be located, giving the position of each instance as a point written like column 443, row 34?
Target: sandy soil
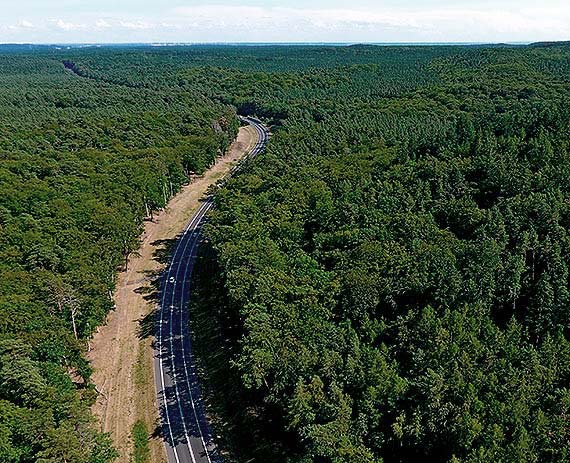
column 121, row 358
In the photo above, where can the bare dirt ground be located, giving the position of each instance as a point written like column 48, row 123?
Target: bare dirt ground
column 121, row 357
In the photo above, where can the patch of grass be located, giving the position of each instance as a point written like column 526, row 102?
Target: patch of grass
column 141, row 451
column 141, row 371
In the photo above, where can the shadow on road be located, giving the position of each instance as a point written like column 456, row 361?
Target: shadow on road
column 244, row 427
column 151, row 289
column 164, row 249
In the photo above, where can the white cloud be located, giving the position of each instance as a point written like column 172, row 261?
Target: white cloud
column 172, row 25
column 68, row 26
column 102, row 24
column 137, row 25
column 23, row 24
column 467, row 21
column 218, row 22
column 381, row 24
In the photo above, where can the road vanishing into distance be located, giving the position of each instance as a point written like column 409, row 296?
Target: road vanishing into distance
column 186, row 432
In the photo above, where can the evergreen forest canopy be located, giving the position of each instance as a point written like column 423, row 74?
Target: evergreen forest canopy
column 393, row 271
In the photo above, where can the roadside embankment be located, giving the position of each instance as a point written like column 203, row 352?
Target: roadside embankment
column 121, row 352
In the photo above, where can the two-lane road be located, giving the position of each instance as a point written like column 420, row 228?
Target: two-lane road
column 187, row 435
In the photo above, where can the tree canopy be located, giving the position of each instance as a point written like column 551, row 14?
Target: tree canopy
column 394, row 270
column 83, row 161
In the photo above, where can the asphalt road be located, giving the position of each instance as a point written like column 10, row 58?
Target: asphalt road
column 187, row 435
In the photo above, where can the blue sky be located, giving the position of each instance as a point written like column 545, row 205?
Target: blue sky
column 88, row 21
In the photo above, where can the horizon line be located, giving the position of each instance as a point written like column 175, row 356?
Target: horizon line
column 168, row 43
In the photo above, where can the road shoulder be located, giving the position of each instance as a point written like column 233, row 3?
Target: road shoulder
column 121, row 351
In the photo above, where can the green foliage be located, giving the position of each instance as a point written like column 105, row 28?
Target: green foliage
column 141, row 451
column 394, row 269
column 83, row 162
column 399, row 258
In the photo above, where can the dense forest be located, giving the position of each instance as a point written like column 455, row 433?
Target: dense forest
column 391, row 278
column 397, row 264
column 82, row 164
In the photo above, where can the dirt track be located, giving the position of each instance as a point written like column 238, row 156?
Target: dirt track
column 120, row 355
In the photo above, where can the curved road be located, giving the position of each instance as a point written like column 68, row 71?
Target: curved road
column 187, row 435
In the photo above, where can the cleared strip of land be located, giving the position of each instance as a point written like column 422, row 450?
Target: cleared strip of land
column 121, row 353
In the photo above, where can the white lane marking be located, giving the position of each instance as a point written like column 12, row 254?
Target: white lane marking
column 160, row 349
column 199, row 215
column 195, row 242
column 160, row 341
column 197, row 219
column 183, row 304
column 165, row 400
column 175, row 382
